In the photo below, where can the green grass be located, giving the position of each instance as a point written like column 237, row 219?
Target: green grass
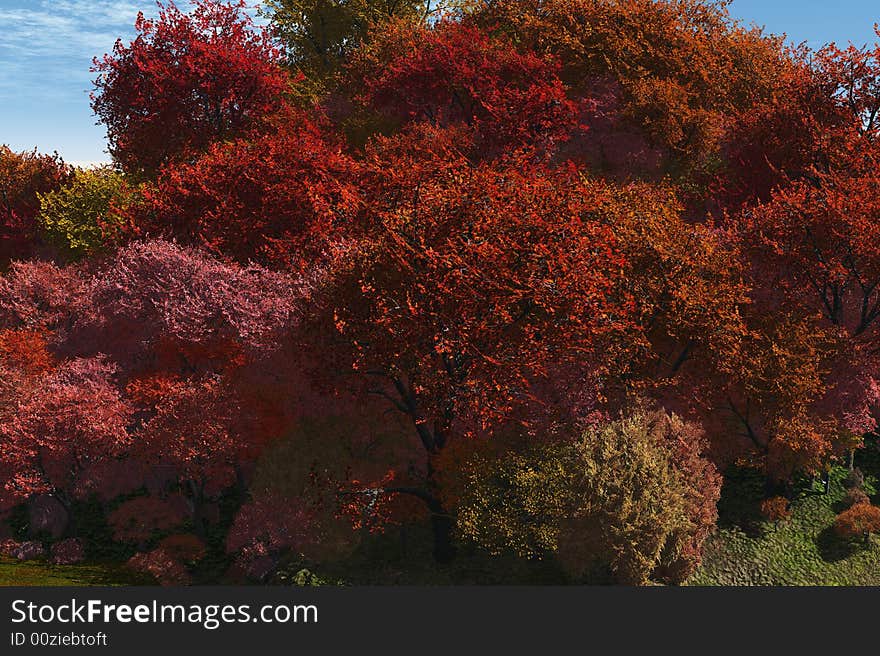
column 800, row 550
column 40, row 573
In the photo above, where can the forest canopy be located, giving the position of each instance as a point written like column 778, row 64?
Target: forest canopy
column 534, row 275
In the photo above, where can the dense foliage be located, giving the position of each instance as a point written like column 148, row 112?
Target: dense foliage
column 78, row 217
column 529, row 273
column 627, row 500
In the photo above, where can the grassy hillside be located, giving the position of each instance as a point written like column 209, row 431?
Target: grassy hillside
column 800, row 550
column 39, row 573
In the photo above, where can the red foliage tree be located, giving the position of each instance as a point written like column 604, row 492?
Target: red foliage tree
column 452, row 74
column 143, row 348
column 193, row 336
column 196, row 436
column 65, row 422
column 473, row 298
column 186, row 81
column 814, row 269
column 803, row 388
column 279, row 198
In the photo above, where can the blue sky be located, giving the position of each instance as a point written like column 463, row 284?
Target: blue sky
column 815, row 21
column 46, row 48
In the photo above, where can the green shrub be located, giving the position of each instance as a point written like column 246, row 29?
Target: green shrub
column 631, row 499
column 79, row 216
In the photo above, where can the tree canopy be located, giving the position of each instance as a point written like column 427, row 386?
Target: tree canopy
column 535, row 274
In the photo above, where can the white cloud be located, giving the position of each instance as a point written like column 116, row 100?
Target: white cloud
column 89, row 164
column 52, row 42
column 66, row 27
column 46, row 52
column 47, row 46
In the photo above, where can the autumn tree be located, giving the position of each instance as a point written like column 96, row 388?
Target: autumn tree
column 24, row 359
column 461, row 298
column 79, row 217
column 448, row 74
column 185, row 328
column 23, row 176
column 186, row 81
column 279, row 198
column 858, row 522
column 321, row 36
column 812, row 264
column 139, row 349
column 666, row 75
column 63, row 424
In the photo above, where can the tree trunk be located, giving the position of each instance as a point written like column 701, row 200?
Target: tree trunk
column 402, row 542
column 199, row 522
column 442, row 523
column 444, row 549
column 198, row 519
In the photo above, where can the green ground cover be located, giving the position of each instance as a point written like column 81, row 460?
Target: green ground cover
column 39, row 573
column 800, row 550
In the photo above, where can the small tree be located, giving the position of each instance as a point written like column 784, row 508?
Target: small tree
column 858, row 522
column 855, row 497
column 775, row 508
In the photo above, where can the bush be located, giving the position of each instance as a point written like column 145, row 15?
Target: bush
column 79, row 216
column 302, row 577
column 184, row 547
column 8, row 548
column 775, row 508
column 854, row 479
column 855, row 497
column 162, row 566
column 631, row 499
column 68, row 552
column 858, row 521
column 140, row 519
